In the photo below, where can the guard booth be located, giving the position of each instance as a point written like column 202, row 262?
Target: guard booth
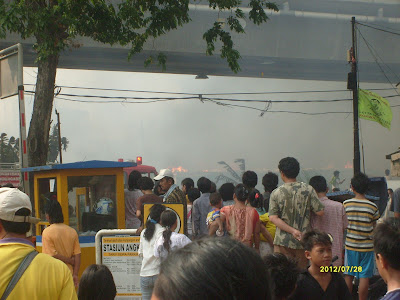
column 91, row 195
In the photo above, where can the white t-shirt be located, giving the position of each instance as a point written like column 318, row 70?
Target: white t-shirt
column 150, row 263
column 178, row 240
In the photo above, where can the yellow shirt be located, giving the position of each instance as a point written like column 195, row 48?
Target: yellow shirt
column 269, row 225
column 45, row 278
column 60, row 239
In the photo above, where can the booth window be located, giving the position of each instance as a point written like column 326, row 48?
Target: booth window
column 92, row 203
column 47, row 192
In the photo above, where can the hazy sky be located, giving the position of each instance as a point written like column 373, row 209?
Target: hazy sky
column 197, row 135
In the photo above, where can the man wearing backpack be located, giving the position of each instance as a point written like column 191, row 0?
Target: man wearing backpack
column 44, row 277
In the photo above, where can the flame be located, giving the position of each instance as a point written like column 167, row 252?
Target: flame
column 348, row 165
column 179, row 169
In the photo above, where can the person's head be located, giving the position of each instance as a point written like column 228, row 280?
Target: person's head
column 270, row 182
column 54, row 212
column 256, row 199
column 169, row 221
column 215, row 200
column 318, row 248
column 204, row 184
column 154, row 217
column 336, row 173
column 146, row 183
column 213, row 188
column 166, row 178
column 387, row 247
column 360, row 183
column 9, row 185
column 213, row 268
column 187, row 184
column 15, row 212
column 97, row 283
column 390, row 193
column 250, row 179
column 133, row 180
column 284, row 272
column 289, row 167
column 157, row 188
column 193, row 194
column 319, row 184
column 335, row 189
column 226, row 191
column 240, row 193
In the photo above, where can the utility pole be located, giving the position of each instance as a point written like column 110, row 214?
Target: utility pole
column 59, row 135
column 352, row 84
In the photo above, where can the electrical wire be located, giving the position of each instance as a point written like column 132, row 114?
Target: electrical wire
column 377, row 28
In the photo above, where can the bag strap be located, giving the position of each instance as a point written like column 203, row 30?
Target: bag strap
column 17, row 275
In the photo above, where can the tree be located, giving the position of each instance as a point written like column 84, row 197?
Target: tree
column 55, row 23
column 53, row 145
column 9, row 149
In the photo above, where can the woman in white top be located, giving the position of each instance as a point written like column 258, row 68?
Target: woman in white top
column 169, row 240
column 150, row 263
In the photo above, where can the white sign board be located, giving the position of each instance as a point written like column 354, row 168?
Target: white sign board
column 120, row 255
column 9, row 75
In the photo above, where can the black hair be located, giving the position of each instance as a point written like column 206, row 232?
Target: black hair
column 256, row 199
column 188, row 183
column 204, row 184
column 133, row 180
column 389, row 189
column 97, row 283
column 250, row 179
column 289, row 166
column 156, row 190
column 168, row 219
column 215, row 198
column 226, row 191
column 314, row 237
column 9, row 185
column 54, row 210
column 241, row 192
column 211, row 268
column 213, row 188
column 155, row 213
column 193, row 194
column 360, row 183
column 387, row 241
column 336, row 172
column 319, row 184
column 284, row 272
column 18, row 227
column 145, row 183
column 270, row 181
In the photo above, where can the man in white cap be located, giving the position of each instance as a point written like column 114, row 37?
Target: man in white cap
column 44, row 277
column 173, row 194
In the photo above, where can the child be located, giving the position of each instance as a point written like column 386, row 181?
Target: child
column 97, row 282
column 267, row 228
column 362, row 215
column 214, row 215
column 284, row 274
column 321, row 280
column 387, row 253
column 170, row 240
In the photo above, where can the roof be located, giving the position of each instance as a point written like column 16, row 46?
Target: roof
column 91, row 164
column 142, row 169
column 389, row 156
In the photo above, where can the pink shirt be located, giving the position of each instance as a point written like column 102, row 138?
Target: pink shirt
column 334, row 222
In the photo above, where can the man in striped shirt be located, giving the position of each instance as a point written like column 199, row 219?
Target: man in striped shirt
column 362, row 215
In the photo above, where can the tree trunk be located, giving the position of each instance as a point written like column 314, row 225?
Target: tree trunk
column 38, row 136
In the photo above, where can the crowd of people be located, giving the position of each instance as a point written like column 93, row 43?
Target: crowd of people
column 288, row 242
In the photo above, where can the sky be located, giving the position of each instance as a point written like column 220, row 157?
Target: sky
column 197, row 135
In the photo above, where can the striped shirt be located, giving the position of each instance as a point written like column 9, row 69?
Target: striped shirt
column 361, row 214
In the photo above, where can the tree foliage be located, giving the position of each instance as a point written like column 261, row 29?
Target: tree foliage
column 54, row 151
column 55, row 24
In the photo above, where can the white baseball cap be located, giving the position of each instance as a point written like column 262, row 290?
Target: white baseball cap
column 12, row 200
column 164, row 173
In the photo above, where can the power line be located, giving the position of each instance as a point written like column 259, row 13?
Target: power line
column 377, row 28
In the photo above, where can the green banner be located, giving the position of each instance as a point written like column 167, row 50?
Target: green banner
column 374, row 108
